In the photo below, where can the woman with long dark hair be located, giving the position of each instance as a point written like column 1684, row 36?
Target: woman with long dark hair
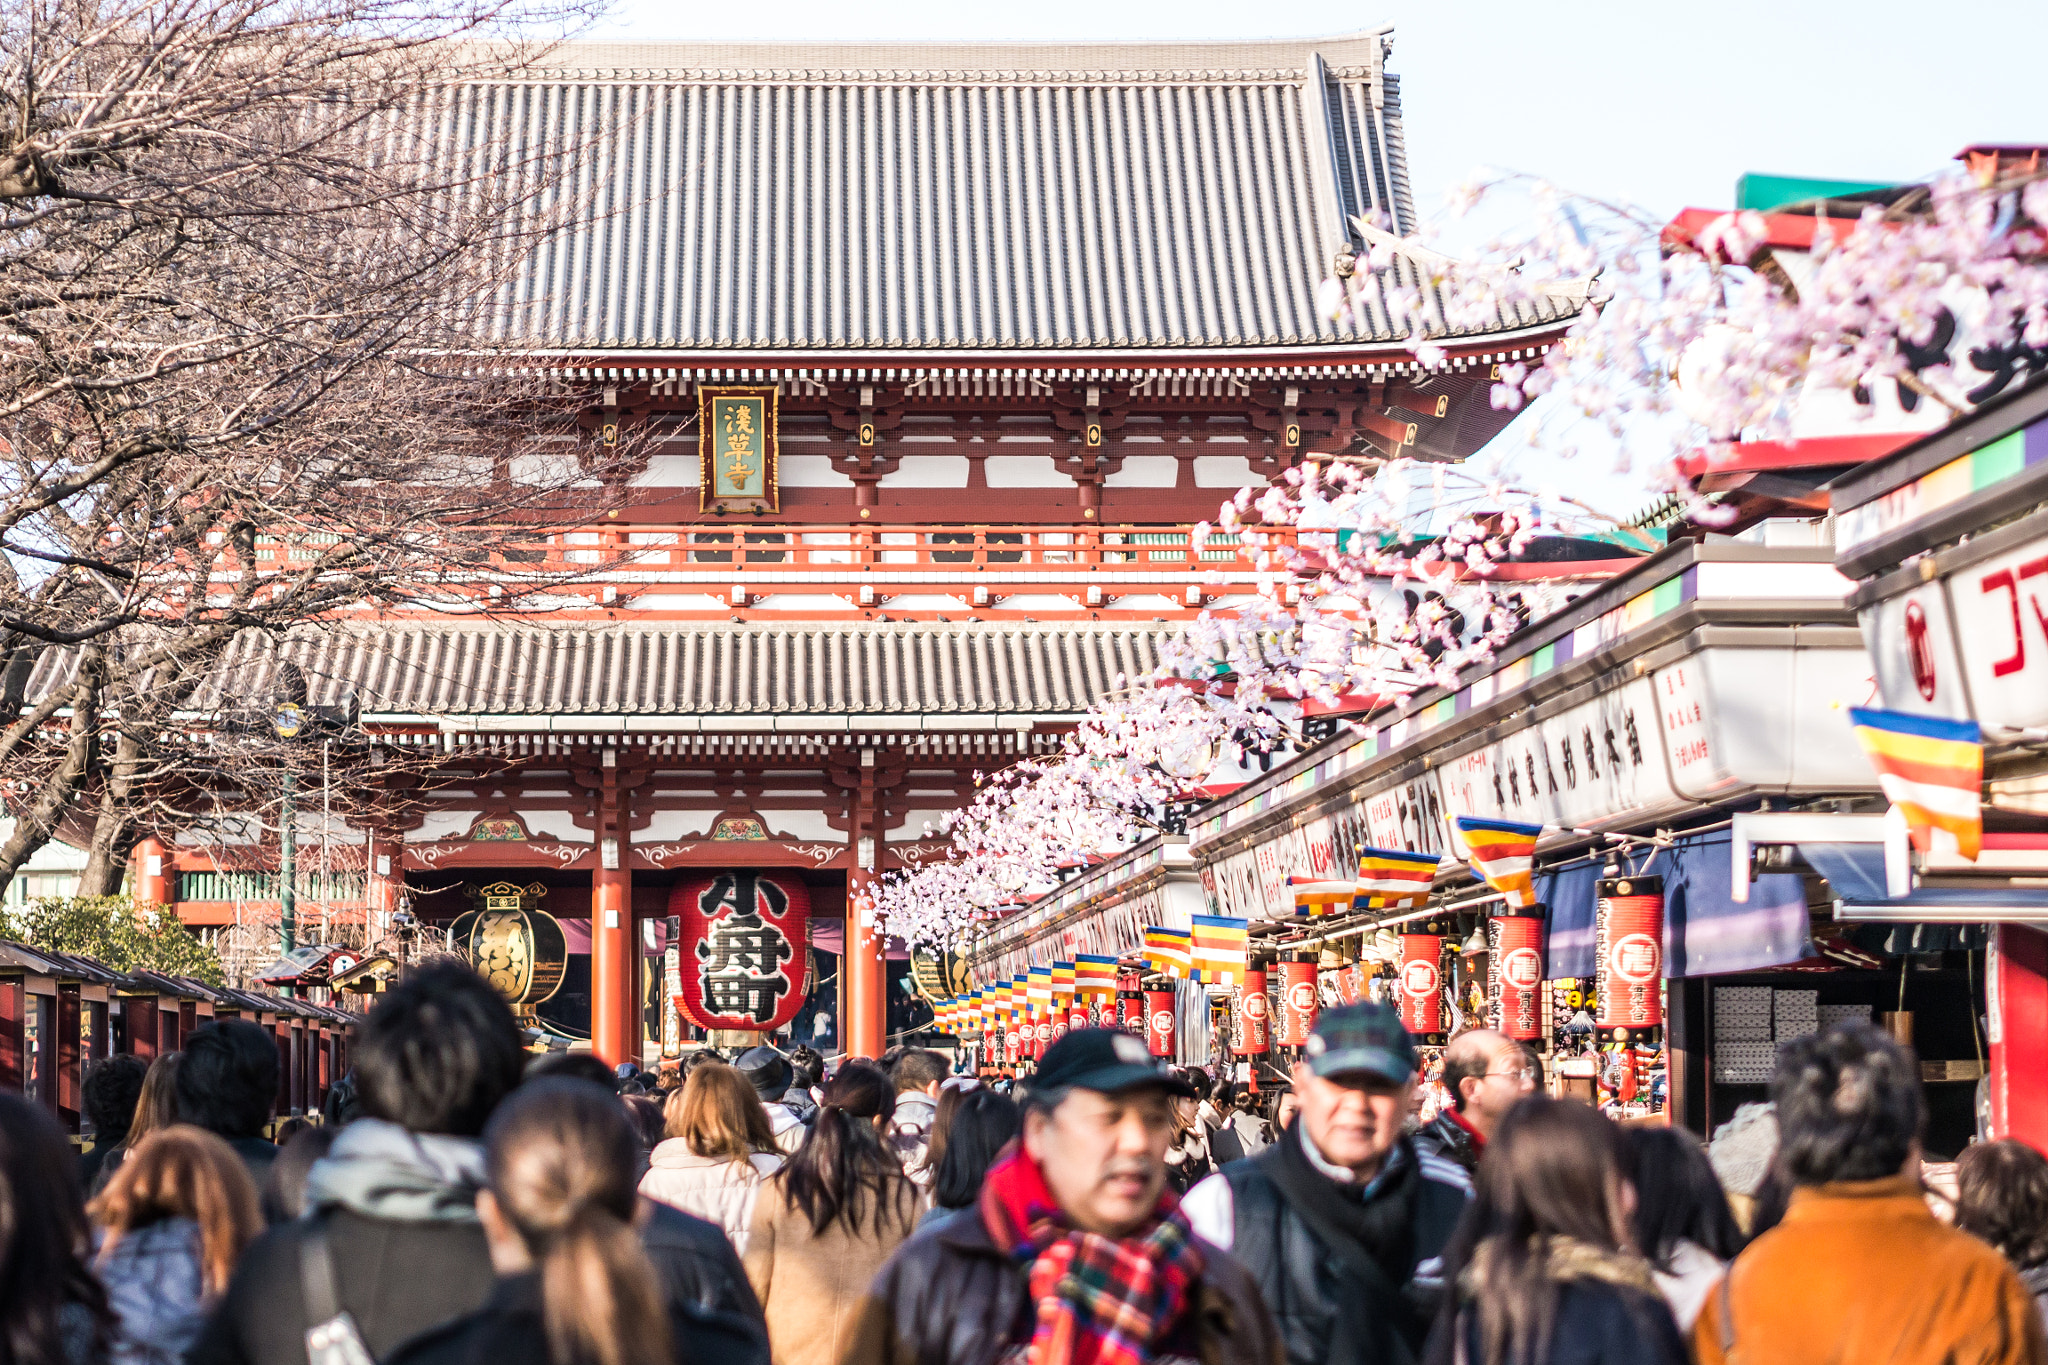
column 52, row 1308
column 981, row 1125
column 1544, row 1268
column 574, row 1286
column 827, row 1220
column 1683, row 1225
column 173, row 1221
column 156, row 1108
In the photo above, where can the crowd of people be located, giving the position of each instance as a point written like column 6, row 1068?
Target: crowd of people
column 467, row 1203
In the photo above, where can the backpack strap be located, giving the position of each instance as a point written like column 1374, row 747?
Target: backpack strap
column 316, row 1274
column 1726, row 1313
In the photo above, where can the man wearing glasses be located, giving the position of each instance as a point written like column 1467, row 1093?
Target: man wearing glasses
column 1343, row 1220
column 1486, row 1073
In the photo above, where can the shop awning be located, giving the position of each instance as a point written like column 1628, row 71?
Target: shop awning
column 1856, row 872
column 1707, row 932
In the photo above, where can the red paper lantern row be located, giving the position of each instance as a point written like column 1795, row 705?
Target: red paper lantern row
column 1298, row 1002
column 742, row 949
column 1628, row 943
column 1252, row 1026
column 1514, row 975
column 1159, row 1022
column 1130, row 1001
column 1422, row 981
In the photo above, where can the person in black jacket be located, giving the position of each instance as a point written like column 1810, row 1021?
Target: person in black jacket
column 227, row 1084
column 1544, row 1267
column 111, row 1091
column 1342, row 1221
column 575, row 1283
column 394, row 1199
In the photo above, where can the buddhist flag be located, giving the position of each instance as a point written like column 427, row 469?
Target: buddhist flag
column 1315, row 897
column 1063, row 978
column 1041, row 990
column 1094, row 974
column 1392, row 876
column 1932, row 770
column 1020, row 996
column 1219, row 949
column 1504, row 854
column 1168, row 951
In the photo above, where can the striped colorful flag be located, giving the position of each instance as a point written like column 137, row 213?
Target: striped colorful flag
column 1020, row 996
column 1041, row 989
column 1219, row 949
column 1094, row 974
column 1504, row 855
column 1062, row 978
column 1392, row 876
column 1315, row 897
column 1168, row 951
column 1932, row 770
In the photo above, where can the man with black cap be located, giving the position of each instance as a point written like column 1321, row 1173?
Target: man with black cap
column 1076, row 1251
column 1342, row 1221
column 768, row 1071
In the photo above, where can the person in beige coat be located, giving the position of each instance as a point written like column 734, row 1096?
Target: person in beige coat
column 824, row 1224
column 718, row 1151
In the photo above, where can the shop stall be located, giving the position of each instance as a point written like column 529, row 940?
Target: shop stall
column 1947, row 540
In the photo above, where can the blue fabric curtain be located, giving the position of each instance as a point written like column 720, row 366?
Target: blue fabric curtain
column 1706, row 931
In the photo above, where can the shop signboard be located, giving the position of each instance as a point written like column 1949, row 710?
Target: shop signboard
column 1972, row 645
column 2001, row 627
column 1407, row 815
column 1588, row 765
column 1912, row 646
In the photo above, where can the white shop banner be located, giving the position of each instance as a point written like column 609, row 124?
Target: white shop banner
column 1407, row 816
column 1912, row 646
column 1590, row 765
column 2001, row 627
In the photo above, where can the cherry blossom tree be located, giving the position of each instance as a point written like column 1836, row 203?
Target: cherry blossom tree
column 1680, row 342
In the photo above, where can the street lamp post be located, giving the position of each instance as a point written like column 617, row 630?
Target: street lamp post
column 289, row 719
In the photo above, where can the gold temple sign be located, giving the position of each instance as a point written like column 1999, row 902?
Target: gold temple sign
column 737, row 449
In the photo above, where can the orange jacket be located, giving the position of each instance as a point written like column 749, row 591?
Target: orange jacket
column 1861, row 1273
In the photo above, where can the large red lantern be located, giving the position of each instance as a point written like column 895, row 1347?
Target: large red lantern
column 1422, row 980
column 1159, row 1022
column 1628, row 944
column 1253, row 1027
column 742, row 949
column 1298, row 1002
column 1514, row 975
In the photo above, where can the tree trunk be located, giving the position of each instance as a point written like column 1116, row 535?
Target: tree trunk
column 34, row 826
column 113, row 829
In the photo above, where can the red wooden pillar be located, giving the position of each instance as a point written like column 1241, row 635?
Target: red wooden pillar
column 70, row 1063
column 155, row 881
column 44, row 1009
column 863, row 968
column 863, row 995
column 381, row 892
column 614, row 1012
column 13, row 1033
column 138, row 1014
column 2016, row 980
column 281, row 1031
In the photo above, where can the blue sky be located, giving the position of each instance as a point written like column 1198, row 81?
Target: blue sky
column 1661, row 104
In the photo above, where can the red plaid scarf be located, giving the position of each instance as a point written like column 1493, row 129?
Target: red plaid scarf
column 1100, row 1300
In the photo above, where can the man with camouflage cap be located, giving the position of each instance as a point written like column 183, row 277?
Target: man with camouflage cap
column 1342, row 1221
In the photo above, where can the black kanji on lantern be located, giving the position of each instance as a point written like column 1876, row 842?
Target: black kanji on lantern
column 741, row 955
